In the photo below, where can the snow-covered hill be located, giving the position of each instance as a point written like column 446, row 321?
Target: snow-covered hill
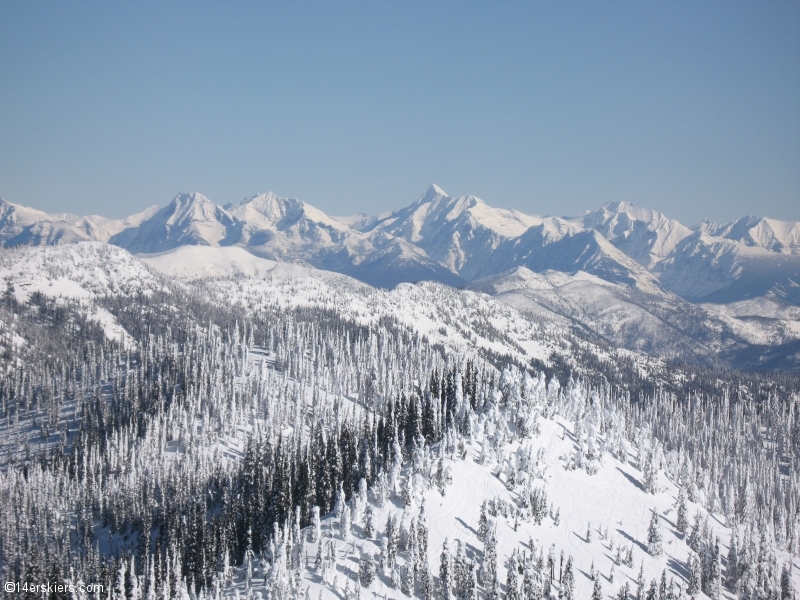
column 276, row 431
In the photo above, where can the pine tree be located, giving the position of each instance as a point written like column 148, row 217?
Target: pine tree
column 316, row 529
column 482, row 522
column 682, row 522
column 346, row 523
column 693, row 566
column 597, row 590
column 366, row 569
column 624, row 591
column 512, row 586
column 652, row 591
column 733, row 562
column 787, row 584
column 445, row 573
column 532, row 585
column 715, row 573
column 568, row 581
column 490, row 556
column 654, row 539
column 369, row 526
column 640, row 583
column 472, row 590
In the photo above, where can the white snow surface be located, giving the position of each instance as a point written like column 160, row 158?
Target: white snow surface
column 612, row 500
column 199, row 262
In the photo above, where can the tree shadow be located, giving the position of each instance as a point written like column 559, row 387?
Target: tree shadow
column 583, row 539
column 632, row 479
column 678, row 568
column 467, row 527
column 631, row 539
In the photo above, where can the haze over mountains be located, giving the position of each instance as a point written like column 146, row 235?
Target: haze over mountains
column 630, row 275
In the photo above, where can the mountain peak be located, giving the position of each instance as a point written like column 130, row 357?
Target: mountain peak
column 618, row 206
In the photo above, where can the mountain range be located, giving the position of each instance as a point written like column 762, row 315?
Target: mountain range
column 629, row 275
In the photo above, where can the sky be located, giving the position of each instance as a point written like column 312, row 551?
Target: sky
column 552, row 108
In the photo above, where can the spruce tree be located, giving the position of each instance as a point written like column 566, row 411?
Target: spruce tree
column 654, row 539
column 366, row 569
column 682, row 522
column 693, row 566
column 652, row 591
column 732, row 566
column 787, row 583
column 512, row 586
column 715, row 573
column 640, row 583
column 482, row 522
column 445, row 573
column 568, row 581
column 597, row 590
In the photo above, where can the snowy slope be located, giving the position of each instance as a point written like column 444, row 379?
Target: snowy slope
column 188, row 219
column 773, row 235
column 645, row 235
column 23, row 226
column 611, row 504
column 664, row 326
column 452, row 231
column 198, row 262
column 715, row 269
column 80, row 272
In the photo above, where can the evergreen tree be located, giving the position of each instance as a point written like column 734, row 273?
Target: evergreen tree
column 693, row 566
column 715, row 573
column 346, row 523
column 445, row 573
column 532, row 585
column 654, row 539
column 568, row 581
column 733, row 562
column 482, row 522
column 369, row 526
column 682, row 522
column 787, row 584
column 652, row 591
column 512, row 586
column 489, row 574
column 640, row 583
column 366, row 569
column 597, row 590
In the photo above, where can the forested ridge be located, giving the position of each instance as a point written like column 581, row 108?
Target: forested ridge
column 207, row 436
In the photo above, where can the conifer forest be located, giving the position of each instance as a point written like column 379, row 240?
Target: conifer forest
column 237, row 439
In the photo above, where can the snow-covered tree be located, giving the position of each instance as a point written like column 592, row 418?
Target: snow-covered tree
column 654, row 538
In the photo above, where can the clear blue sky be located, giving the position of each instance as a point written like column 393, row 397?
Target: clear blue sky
column 692, row 108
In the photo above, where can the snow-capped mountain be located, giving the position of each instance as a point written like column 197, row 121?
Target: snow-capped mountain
column 645, row 235
column 648, row 272
column 23, row 226
column 189, row 219
column 770, row 234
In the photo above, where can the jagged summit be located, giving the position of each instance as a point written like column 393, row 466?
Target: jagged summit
column 453, row 239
